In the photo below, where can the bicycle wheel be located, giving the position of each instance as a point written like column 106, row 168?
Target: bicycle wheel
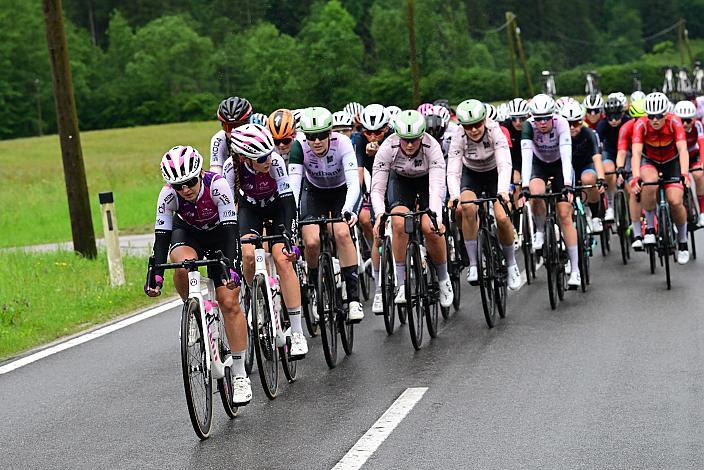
column 551, row 262
column 364, row 282
column 290, row 367
column 414, row 294
column 563, row 258
column 388, row 285
column 265, row 348
column 665, row 236
column 402, row 314
column 622, row 224
column 692, row 219
column 431, row 289
column 582, row 249
column 245, row 302
column 651, row 256
column 197, row 380
column 225, row 385
column 327, row 310
column 693, row 243
column 346, row 329
column 527, row 245
column 500, row 277
column 485, row 269
column 452, row 266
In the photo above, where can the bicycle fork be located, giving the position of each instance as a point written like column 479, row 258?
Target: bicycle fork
column 260, row 266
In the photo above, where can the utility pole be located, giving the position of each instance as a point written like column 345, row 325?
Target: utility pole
column 680, row 40
column 412, row 46
column 688, row 46
column 72, row 156
column 522, row 55
column 511, row 51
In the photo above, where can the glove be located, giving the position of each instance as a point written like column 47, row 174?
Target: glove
column 600, row 183
column 351, row 218
column 295, row 250
column 621, row 171
column 635, row 184
column 525, row 192
column 158, row 281
column 567, row 190
column 234, row 280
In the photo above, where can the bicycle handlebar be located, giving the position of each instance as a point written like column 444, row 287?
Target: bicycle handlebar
column 322, row 221
column 259, row 239
column 192, row 265
column 414, row 214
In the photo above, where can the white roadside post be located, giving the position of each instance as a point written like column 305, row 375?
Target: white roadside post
column 112, row 239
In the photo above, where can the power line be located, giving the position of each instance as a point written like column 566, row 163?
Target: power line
column 604, row 43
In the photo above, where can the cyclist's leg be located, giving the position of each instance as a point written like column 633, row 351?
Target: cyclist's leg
column 178, row 254
column 648, row 199
column 250, row 218
column 698, row 177
column 311, row 209
column 399, row 244
column 348, row 259
column 609, row 166
column 235, row 326
column 564, row 217
column 365, row 222
column 537, row 186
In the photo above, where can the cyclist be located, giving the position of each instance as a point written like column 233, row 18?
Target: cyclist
column 623, row 165
column 257, row 176
column 374, row 120
column 594, row 105
column 662, row 137
column 343, row 123
column 546, row 149
column 331, row 185
column 621, row 98
column 586, row 158
column 694, row 130
column 354, row 109
column 282, row 127
column 517, row 115
column 480, row 162
column 608, row 133
column 259, row 118
column 411, row 162
column 436, row 127
column 195, row 213
column 232, row 112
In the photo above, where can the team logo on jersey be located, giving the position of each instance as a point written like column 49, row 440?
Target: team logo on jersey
column 330, row 158
column 216, row 193
column 162, row 208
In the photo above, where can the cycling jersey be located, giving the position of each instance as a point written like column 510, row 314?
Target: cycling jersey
column 625, row 135
column 659, row 145
column 547, row 147
column 219, row 150
column 491, row 152
column 515, row 141
column 584, row 146
column 695, row 143
column 427, row 161
column 337, row 168
column 360, row 148
column 609, row 137
column 700, row 107
column 258, row 188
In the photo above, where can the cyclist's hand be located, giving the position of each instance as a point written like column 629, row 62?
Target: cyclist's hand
column 371, row 149
column 504, row 197
column 440, row 230
column 636, row 184
column 234, row 280
column 153, row 292
column 351, row 218
column 292, row 255
column 621, row 172
column 686, row 180
column 377, row 223
column 525, row 192
column 452, row 202
column 601, row 185
column 568, row 192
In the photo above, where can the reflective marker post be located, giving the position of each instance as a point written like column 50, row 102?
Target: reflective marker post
column 112, row 239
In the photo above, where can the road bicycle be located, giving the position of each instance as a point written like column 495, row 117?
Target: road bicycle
column 692, row 206
column 205, row 353
column 668, row 86
column 331, row 294
column 421, row 283
column 684, row 84
column 585, row 238
column 454, row 247
column 591, row 88
column 637, row 86
column 698, row 78
column 491, row 263
column 523, row 217
column 268, row 317
column 549, row 83
column 622, row 216
column 364, row 263
column 388, row 281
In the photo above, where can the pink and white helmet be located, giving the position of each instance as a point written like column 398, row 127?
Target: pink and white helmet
column 443, row 113
column 251, row 141
column 180, row 164
column 425, row 109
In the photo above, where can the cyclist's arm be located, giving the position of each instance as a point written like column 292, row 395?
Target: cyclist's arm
column 349, row 164
column 166, row 206
column 222, row 195
column 502, row 153
column 596, row 154
column 436, row 177
column 681, row 144
column 454, row 166
column 623, row 143
column 283, row 188
column 218, row 152
column 700, row 139
column 566, row 157
column 637, row 148
column 380, row 175
column 360, row 152
column 526, row 152
column 296, row 169
column 228, row 172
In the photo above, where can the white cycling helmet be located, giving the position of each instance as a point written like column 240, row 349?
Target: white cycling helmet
column 251, row 141
column 297, row 117
column 572, row 111
column 392, row 111
column 637, row 95
column 685, row 110
column 518, row 107
column 342, row 119
column 354, row 109
column 542, row 105
column 502, row 112
column 180, row 164
column 620, row 97
column 491, row 111
column 374, row 117
column 593, row 102
column 657, row 103
column 442, row 112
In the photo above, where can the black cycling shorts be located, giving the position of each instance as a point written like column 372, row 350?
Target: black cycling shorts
column 544, row 171
column 669, row 170
column 202, row 241
column 252, row 217
column 402, row 191
column 480, row 181
column 321, row 202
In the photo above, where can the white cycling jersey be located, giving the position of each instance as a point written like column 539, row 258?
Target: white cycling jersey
column 218, row 150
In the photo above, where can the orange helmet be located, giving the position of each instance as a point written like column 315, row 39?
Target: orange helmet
column 281, row 124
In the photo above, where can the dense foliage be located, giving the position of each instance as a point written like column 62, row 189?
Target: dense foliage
column 150, row 61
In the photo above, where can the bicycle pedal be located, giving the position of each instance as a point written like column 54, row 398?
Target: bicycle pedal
column 572, row 287
column 297, row 358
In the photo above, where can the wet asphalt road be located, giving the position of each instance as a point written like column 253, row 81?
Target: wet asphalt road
column 612, row 379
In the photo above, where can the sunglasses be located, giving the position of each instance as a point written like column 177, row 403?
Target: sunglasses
column 410, row 141
column 575, row 123
column 519, row 118
column 262, row 159
column 594, row 111
column 542, row 118
column 476, row 125
column 687, row 121
column 186, row 184
column 230, row 126
column 284, row 141
column 615, row 117
column 655, row 117
column 317, row 136
column 375, row 133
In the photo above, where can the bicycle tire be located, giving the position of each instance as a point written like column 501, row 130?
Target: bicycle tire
column 551, row 264
column 414, row 294
column 245, row 302
column 527, row 245
column 225, row 385
column 451, row 270
column 388, row 285
column 289, row 367
column 199, row 410
column 364, row 284
column 346, row 329
column 402, row 314
column 265, row 348
column 308, row 304
column 651, row 256
column 326, row 310
column 562, row 259
column 500, row 277
column 693, row 243
column 622, row 224
column 582, row 249
column 485, row 270
column 665, row 229
column 432, row 305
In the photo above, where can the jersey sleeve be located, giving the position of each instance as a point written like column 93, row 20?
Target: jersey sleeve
column 349, row 165
column 502, row 154
column 678, row 129
column 436, row 177
column 638, row 132
column 565, row 140
column 296, row 154
column 278, row 172
column 166, row 206
column 295, row 169
column 228, row 172
column 223, row 197
column 380, row 175
column 700, row 139
column 454, row 164
column 507, row 134
column 360, row 149
column 218, row 150
column 624, row 136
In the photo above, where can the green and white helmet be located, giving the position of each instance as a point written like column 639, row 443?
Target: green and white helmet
column 316, row 119
column 409, row 124
column 470, row 112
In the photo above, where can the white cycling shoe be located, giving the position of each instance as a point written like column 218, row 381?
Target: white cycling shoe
column 378, row 304
column 400, row 295
column 682, row 254
column 241, row 391
column 597, row 226
column 538, row 240
column 473, row 276
column 609, row 214
column 649, row 238
column 637, row 244
column 356, row 314
column 299, row 345
column 575, row 280
column 514, row 277
column 446, row 293
column 700, row 222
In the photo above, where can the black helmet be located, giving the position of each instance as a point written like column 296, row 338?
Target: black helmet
column 443, row 102
column 434, row 126
column 613, row 106
column 234, row 109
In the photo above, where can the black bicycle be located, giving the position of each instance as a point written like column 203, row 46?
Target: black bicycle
column 331, row 294
column 622, row 216
column 491, row 264
column 454, row 247
column 523, row 222
column 690, row 202
column 389, row 281
column 585, row 239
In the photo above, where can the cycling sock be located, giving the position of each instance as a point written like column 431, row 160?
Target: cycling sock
column 313, row 276
column 471, row 247
column 400, row 274
column 650, row 219
column 610, row 199
column 238, row 364
column 574, row 258
column 509, row 254
column 701, row 203
column 351, row 283
column 637, row 229
column 594, row 209
column 294, row 314
column 682, row 232
column 539, row 223
column 441, row 268
column 377, row 278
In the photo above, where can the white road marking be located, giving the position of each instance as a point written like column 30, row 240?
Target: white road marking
column 372, row 439
column 9, row 367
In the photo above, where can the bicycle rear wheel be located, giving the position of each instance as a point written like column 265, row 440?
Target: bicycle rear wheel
column 622, row 224
column 485, row 269
column 197, row 379
column 327, row 310
column 414, row 294
column 265, row 349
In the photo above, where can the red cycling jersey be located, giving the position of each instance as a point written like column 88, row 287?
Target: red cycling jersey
column 660, row 146
column 695, row 143
column 625, row 135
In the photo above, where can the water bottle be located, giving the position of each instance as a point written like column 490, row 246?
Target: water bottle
column 423, row 256
column 275, row 295
column 210, row 320
column 336, row 272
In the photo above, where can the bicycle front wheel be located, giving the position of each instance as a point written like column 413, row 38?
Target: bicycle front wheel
column 500, row 277
column 485, row 269
column 197, row 380
column 290, row 367
column 265, row 348
column 327, row 310
column 582, row 241
column 527, row 244
column 622, row 224
column 388, row 285
column 414, row 294
column 666, row 240
column 346, row 329
column 431, row 288
column 225, row 385
column 552, row 263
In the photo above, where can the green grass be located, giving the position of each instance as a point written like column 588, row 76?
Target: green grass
column 125, row 161
column 44, row 296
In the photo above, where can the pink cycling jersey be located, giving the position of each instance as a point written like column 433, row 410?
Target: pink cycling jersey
column 547, row 147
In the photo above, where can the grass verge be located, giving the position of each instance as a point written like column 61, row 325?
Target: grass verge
column 44, row 296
